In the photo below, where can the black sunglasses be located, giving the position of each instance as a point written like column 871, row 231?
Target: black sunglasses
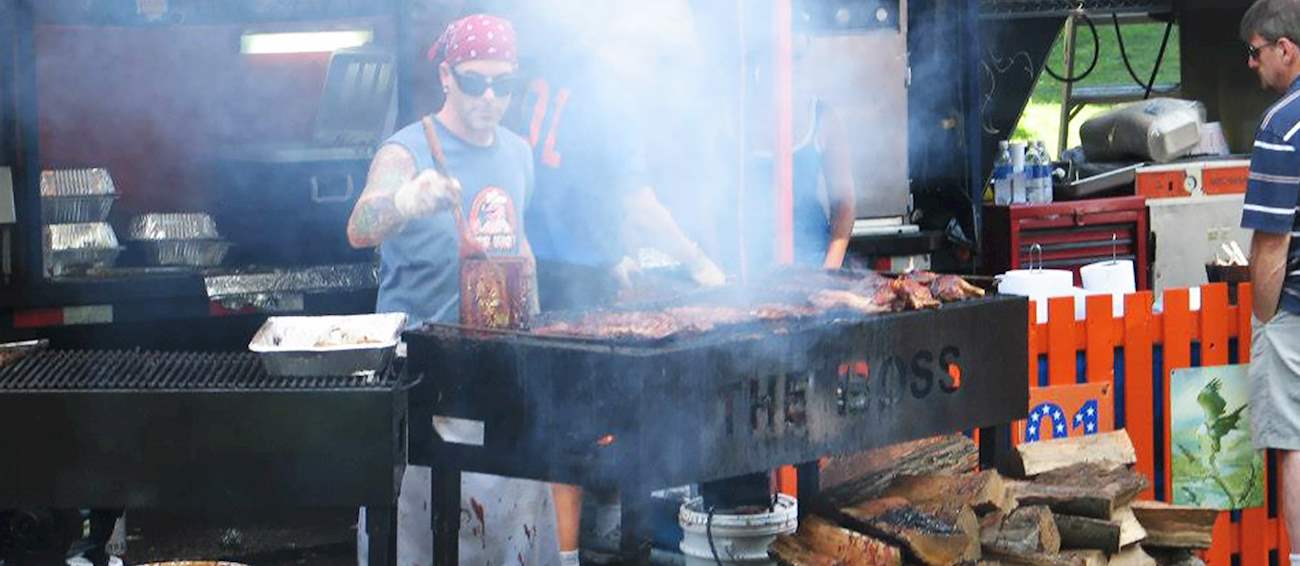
column 1254, row 50
column 475, row 84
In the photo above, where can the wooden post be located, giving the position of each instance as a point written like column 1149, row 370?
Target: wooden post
column 1138, row 392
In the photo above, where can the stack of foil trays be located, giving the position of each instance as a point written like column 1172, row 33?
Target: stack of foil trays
column 74, row 206
column 76, row 195
column 74, row 248
column 178, row 239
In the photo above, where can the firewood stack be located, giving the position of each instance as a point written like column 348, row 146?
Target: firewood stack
column 924, row 503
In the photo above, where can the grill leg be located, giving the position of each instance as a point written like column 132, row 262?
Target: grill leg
column 634, row 543
column 381, row 528
column 809, row 483
column 445, row 515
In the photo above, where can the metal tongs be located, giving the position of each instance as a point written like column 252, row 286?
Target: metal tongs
column 469, row 247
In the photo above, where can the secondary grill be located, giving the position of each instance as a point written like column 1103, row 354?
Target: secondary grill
column 706, row 407
column 165, row 371
column 198, row 431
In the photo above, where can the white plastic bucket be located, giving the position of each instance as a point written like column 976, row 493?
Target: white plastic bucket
column 738, row 539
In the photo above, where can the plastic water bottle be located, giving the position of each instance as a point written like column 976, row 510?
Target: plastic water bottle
column 1019, row 176
column 1034, row 170
column 1002, row 175
column 1045, row 174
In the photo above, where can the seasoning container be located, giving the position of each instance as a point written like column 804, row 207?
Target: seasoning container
column 495, row 292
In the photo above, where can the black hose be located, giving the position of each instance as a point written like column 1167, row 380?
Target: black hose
column 708, row 533
column 1160, row 56
column 1096, row 54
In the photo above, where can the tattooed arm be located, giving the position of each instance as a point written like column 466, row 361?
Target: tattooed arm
column 395, row 193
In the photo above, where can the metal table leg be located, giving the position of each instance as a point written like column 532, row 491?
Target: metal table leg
column 445, row 515
column 381, row 535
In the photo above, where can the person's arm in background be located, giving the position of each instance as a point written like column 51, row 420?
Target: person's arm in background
column 1268, row 255
column 837, row 167
column 395, row 193
column 651, row 222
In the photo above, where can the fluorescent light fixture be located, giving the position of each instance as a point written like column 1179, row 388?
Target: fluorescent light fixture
column 303, row 42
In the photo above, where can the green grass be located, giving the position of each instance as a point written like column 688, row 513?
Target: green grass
column 1141, row 43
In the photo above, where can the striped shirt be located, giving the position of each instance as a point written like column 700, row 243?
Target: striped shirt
column 1273, row 189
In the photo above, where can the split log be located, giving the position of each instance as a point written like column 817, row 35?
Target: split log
column 1036, row 559
column 961, row 516
column 788, row 550
column 1130, row 530
column 1174, row 556
column 923, row 536
column 852, row 479
column 1024, row 532
column 1088, row 557
column 1088, row 490
column 1006, row 547
column 1132, row 556
column 819, row 542
column 1108, row 448
column 1175, row 526
column 984, row 492
column 1088, row 533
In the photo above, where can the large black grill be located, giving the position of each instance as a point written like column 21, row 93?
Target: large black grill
column 166, row 371
column 197, row 431
column 716, row 405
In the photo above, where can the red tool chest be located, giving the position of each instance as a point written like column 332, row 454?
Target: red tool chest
column 1072, row 235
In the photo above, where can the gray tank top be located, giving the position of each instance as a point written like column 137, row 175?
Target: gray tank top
column 419, row 266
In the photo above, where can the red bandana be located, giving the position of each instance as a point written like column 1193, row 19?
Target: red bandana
column 476, row 37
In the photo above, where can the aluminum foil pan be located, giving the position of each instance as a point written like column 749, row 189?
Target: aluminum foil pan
column 86, row 235
column 75, row 209
column 192, row 253
column 328, row 345
column 14, row 351
column 71, row 248
column 76, row 182
column 173, row 226
column 321, row 278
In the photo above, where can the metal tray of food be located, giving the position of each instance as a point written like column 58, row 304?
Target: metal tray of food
column 14, row 351
column 190, row 253
column 76, row 182
column 328, row 345
column 173, row 226
column 70, row 248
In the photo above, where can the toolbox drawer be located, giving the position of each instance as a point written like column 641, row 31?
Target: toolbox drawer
column 1071, row 234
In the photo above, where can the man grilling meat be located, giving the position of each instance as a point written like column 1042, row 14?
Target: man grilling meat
column 594, row 202
column 408, row 211
column 593, row 183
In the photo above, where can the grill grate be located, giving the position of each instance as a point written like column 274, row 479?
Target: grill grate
column 165, row 371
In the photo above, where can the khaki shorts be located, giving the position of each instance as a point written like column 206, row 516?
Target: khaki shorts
column 1275, row 382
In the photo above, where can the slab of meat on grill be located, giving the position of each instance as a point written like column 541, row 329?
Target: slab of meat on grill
column 913, row 295
column 772, row 312
column 946, row 287
column 638, row 325
column 830, row 299
column 898, row 294
column 703, row 318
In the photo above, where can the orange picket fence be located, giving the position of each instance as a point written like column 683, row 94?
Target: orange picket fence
column 1136, row 353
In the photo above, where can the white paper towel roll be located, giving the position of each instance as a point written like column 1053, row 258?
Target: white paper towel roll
column 1115, row 276
column 1037, row 284
column 1026, row 282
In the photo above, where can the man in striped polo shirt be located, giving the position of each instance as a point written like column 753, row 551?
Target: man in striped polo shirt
column 1271, row 28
